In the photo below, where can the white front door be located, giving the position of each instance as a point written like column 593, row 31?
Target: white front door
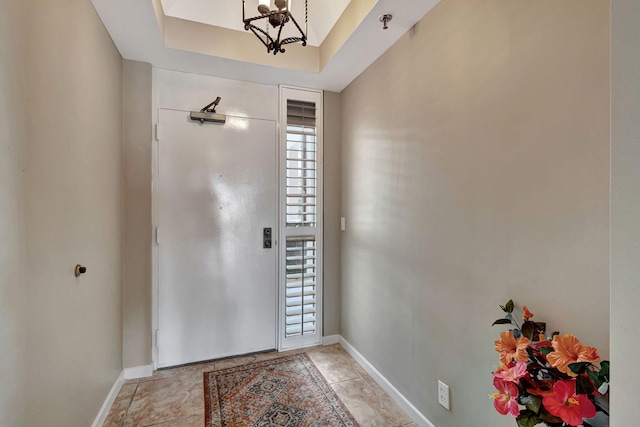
column 217, row 192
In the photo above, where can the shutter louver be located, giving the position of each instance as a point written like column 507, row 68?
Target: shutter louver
column 301, row 169
column 300, row 289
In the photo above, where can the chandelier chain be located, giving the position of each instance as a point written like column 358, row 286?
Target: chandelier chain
column 306, row 17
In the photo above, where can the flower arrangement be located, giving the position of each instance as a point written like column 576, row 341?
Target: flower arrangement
column 554, row 382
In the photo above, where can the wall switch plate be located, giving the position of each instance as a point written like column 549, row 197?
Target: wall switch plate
column 343, row 224
column 443, row 395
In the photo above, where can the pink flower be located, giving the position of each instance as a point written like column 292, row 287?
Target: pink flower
column 505, row 399
column 567, row 405
column 513, row 373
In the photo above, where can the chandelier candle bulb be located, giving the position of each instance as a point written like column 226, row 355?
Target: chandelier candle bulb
column 264, row 7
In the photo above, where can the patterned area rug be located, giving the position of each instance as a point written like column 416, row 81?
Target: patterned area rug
column 284, row 392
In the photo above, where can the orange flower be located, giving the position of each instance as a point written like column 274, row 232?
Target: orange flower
column 526, row 314
column 568, row 350
column 512, row 349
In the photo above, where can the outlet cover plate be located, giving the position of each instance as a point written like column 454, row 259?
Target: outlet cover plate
column 443, row 395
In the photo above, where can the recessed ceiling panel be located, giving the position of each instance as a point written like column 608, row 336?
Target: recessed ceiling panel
column 322, row 14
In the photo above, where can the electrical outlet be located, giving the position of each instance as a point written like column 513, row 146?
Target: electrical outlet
column 443, row 394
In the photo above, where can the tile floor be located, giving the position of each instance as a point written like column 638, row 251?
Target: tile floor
column 175, row 397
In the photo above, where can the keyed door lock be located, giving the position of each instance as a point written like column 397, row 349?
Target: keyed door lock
column 79, row 270
column 266, row 238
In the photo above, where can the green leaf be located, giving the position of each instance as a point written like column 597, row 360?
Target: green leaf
column 532, row 403
column 578, row 368
column 584, row 385
column 547, row 417
column 502, row 322
column 529, row 329
column 545, row 350
column 509, row 306
column 596, row 378
column 527, row 418
column 604, row 370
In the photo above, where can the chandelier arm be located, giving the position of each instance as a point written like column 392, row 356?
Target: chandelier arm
column 255, row 31
column 304, row 35
column 266, row 15
column 290, row 40
column 278, row 43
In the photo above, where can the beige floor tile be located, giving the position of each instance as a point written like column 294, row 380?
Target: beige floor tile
column 367, row 407
column 120, row 405
column 168, row 373
column 334, row 363
column 193, row 421
column 166, row 399
column 236, row 361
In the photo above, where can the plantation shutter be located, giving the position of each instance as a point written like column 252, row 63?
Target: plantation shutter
column 301, row 286
column 301, row 138
column 301, row 164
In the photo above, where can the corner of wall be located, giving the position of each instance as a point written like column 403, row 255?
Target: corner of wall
column 136, row 254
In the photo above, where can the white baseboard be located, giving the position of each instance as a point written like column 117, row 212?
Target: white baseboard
column 331, row 339
column 402, row 401
column 106, row 406
column 138, row 372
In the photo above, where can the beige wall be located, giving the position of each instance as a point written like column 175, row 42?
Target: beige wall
column 60, row 198
column 136, row 256
column 475, row 169
column 332, row 199
column 625, row 211
column 12, row 231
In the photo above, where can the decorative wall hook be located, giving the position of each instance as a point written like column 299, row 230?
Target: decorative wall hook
column 79, row 270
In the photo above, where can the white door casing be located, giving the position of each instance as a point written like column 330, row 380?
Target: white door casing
column 217, row 285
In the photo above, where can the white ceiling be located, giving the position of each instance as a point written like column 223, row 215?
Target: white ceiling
column 228, row 14
column 135, row 29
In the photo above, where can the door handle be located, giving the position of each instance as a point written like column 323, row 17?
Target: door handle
column 266, row 238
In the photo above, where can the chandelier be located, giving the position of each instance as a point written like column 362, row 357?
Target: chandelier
column 275, row 18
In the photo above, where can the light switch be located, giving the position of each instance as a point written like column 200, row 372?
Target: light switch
column 343, row 224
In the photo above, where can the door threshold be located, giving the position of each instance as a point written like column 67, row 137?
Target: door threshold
column 218, row 359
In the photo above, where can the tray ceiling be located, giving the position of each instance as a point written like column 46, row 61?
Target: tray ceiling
column 207, row 37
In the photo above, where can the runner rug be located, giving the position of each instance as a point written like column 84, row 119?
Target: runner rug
column 284, row 392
